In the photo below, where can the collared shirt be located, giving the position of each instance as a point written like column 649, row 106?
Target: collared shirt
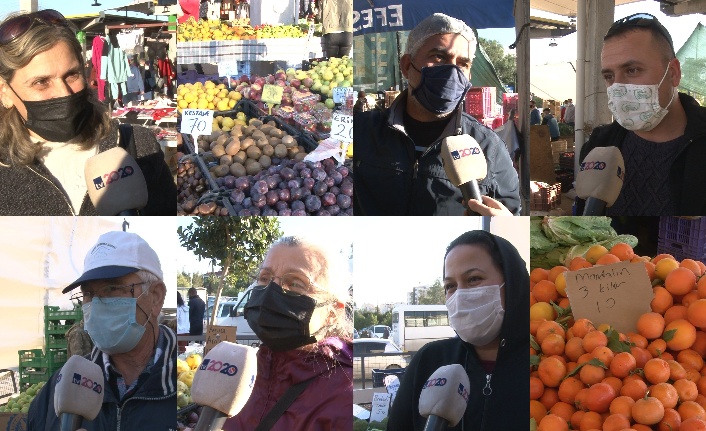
column 113, row 376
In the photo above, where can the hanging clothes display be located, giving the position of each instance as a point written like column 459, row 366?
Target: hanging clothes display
column 166, row 71
column 117, row 69
column 96, row 60
column 130, row 39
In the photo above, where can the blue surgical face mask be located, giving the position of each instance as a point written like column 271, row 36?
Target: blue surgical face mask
column 441, row 88
column 112, row 323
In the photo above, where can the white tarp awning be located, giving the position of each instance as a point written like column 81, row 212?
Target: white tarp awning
column 564, row 7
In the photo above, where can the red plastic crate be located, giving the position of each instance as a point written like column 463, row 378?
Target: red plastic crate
column 480, row 102
column 683, row 237
column 510, row 101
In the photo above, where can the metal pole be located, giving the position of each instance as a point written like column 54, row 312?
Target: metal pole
column 522, row 15
column 580, row 80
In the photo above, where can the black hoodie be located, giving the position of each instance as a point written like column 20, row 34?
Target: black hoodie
column 506, row 408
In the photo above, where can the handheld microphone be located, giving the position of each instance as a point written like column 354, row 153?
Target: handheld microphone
column 600, row 179
column 223, row 383
column 444, row 397
column 464, row 163
column 115, row 183
column 78, row 394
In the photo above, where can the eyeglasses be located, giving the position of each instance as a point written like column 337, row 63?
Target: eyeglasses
column 17, row 26
column 124, row 291
column 292, row 283
column 641, row 20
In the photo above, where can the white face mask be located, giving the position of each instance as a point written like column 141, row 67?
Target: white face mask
column 636, row 107
column 476, row 314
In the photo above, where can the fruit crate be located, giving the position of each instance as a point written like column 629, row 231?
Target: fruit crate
column 683, row 237
column 379, row 375
column 566, row 178
column 510, row 101
column 56, row 327
column 480, row 102
column 56, row 358
column 55, row 342
column 33, row 358
column 52, row 313
column 28, row 378
column 566, row 161
column 546, row 197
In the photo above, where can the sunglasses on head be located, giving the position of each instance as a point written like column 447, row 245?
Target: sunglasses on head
column 639, row 20
column 18, row 25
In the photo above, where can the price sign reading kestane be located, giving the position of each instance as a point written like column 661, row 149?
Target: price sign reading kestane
column 196, row 122
column 616, row 294
column 342, row 127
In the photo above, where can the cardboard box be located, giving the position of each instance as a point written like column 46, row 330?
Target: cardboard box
column 13, row 422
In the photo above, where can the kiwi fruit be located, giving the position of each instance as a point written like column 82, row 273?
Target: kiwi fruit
column 268, row 150
column 222, row 139
column 254, row 152
column 240, row 157
column 225, row 159
column 262, row 142
column 272, row 123
column 233, row 146
column 289, row 142
column 253, row 168
column 265, row 161
column 299, row 156
column 280, row 151
column 248, row 131
column 275, row 141
column 256, row 123
column 237, row 170
column 276, row 133
column 218, row 150
column 291, row 152
column 246, row 143
column 221, row 170
column 257, row 134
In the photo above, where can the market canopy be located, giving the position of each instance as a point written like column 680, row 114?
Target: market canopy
column 380, row 16
column 692, row 56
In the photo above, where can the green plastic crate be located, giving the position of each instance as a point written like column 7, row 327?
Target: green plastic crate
column 56, row 358
column 56, row 327
column 56, row 342
column 52, row 313
column 28, row 378
column 33, row 358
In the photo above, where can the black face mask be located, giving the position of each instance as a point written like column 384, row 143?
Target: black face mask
column 280, row 320
column 59, row 119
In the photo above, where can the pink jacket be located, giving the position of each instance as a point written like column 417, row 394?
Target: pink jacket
column 326, row 404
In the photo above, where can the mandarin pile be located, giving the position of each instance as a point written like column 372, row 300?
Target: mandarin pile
column 586, row 376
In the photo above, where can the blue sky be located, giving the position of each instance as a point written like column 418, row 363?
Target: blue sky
column 66, row 7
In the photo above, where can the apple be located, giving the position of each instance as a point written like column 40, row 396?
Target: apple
column 308, row 82
column 270, row 79
column 245, row 78
column 316, row 86
column 256, row 87
column 281, row 83
column 287, row 90
column 296, row 83
column 280, row 75
column 329, row 103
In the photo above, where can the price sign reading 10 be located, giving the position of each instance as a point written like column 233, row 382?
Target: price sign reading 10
column 342, row 127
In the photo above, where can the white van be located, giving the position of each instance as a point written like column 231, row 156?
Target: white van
column 230, row 313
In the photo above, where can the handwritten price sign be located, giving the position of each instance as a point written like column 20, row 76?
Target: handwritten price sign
column 272, row 94
column 342, row 127
column 341, row 93
column 228, row 68
column 197, row 122
column 381, row 406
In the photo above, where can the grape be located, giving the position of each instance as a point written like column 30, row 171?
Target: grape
column 305, row 192
column 299, row 166
column 260, row 187
column 254, row 211
column 287, row 173
column 294, row 183
column 237, row 208
column 296, row 193
column 247, row 202
column 297, row 205
column 318, row 174
column 323, row 213
column 285, row 212
column 271, row 182
column 309, row 183
column 276, row 160
column 281, row 205
column 335, row 190
column 281, row 185
column 237, row 196
column 305, row 173
column 269, row 212
column 349, row 211
column 333, row 209
column 319, row 188
column 313, row 203
column 347, row 189
column 329, row 181
column 298, row 213
column 219, row 181
column 272, row 170
column 337, row 177
column 343, row 170
column 328, row 199
column 343, row 201
column 328, row 164
column 284, row 195
column 272, row 197
column 313, row 165
column 244, row 212
column 259, row 201
column 242, row 183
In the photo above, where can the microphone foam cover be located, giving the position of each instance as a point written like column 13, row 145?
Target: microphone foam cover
column 226, row 377
column 79, row 388
column 445, row 394
column 115, row 182
column 463, row 159
column 601, row 175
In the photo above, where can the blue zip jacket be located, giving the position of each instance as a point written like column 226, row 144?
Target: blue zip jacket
column 152, row 407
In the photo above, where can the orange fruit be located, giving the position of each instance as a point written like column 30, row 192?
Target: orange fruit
column 661, row 256
column 554, row 272
column 581, row 399
column 696, row 313
column 576, row 419
column 641, row 356
column 553, row 423
column 701, row 385
column 607, row 259
column 699, row 345
column 594, row 339
column 545, row 291
column 690, row 298
column 590, row 421
column 569, row 388
column 692, row 265
column 693, row 424
column 676, row 370
column 666, row 394
column 614, row 383
column 650, row 325
column 536, row 388
column 670, row 422
column 656, row 371
column 622, row 405
column 574, row 349
column 560, row 284
column 591, row 374
column 603, row 354
column 548, row 327
column 538, row 274
column 582, row 327
column 701, row 287
column 675, row 312
column 579, row 263
column 691, row 409
column 662, row 300
column 622, row 364
column 553, row 344
column 616, row 422
column 647, row 411
column 635, row 389
column 690, row 359
column 637, row 340
column 563, row 410
column 686, row 389
column 594, row 253
column 542, row 311
column 657, row 347
column 549, row 397
column 680, row 281
column 683, row 336
column 551, row 370
column 599, row 397
column 623, row 251
column 537, row 410
column 650, row 268
column 664, row 266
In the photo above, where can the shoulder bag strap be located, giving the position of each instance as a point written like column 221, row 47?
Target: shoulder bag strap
column 282, row 405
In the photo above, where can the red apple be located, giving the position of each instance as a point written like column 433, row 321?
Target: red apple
column 308, row 82
column 281, row 75
column 270, row 79
column 245, row 78
column 256, row 86
column 295, row 83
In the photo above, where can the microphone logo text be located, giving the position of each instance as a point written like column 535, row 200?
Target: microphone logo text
column 599, row 166
column 101, row 181
column 85, row 382
column 219, row 367
column 621, row 174
column 457, row 154
column 434, row 382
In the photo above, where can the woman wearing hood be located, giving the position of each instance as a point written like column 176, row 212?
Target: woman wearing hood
column 298, row 310
column 487, row 295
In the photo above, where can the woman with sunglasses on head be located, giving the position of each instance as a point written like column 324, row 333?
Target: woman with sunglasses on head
column 297, row 308
column 661, row 133
column 51, row 123
column 487, row 295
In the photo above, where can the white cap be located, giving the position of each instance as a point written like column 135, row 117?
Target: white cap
column 439, row 23
column 116, row 254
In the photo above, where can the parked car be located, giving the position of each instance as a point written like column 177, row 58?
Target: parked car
column 374, row 345
column 378, row 331
column 230, row 313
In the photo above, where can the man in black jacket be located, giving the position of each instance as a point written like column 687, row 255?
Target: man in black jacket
column 397, row 159
column 661, row 133
column 197, row 309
